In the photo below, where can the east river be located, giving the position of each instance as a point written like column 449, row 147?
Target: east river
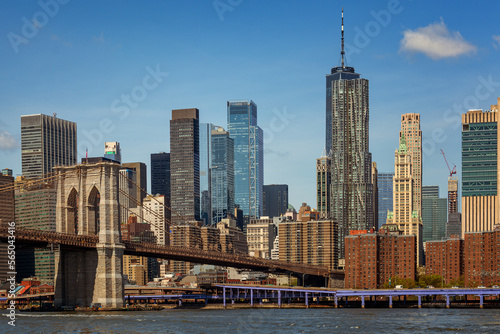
column 261, row 321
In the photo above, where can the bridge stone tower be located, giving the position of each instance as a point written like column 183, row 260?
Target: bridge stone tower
column 87, row 204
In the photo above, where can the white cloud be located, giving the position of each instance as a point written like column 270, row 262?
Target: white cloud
column 436, row 42
column 7, row 142
column 496, row 41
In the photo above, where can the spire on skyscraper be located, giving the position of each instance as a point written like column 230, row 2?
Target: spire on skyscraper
column 342, row 67
column 342, row 53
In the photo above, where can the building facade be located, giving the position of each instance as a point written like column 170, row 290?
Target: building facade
column 454, row 225
column 482, row 258
column 157, row 215
column 206, row 171
column 185, row 165
column 445, row 258
column 404, row 216
column 7, row 209
column 222, row 176
column 261, row 234
column 112, row 151
column 275, row 200
column 323, row 181
column 46, row 141
column 128, row 193
column 384, row 184
column 160, row 174
column 141, row 178
column 480, row 208
column 248, row 156
column 374, row 258
column 434, row 214
column 410, row 128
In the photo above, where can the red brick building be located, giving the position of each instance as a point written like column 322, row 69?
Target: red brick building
column 482, row 258
column 444, row 257
column 372, row 258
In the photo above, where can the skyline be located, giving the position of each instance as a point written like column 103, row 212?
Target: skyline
column 80, row 69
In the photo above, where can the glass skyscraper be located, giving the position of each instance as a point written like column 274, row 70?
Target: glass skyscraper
column 222, row 181
column 205, row 171
column 248, row 156
column 384, row 196
column 347, row 143
column 434, row 214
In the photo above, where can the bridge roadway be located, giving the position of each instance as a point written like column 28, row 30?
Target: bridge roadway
column 44, row 238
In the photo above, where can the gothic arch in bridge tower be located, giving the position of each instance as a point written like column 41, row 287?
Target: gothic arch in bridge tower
column 87, row 204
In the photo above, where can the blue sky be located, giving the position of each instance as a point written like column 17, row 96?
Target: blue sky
column 80, row 58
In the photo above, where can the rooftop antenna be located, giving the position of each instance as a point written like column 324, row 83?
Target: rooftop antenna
column 342, row 53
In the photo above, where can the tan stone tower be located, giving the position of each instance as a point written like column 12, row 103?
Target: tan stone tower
column 87, row 204
column 410, row 127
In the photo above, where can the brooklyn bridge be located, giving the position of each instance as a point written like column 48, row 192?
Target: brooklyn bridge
column 89, row 249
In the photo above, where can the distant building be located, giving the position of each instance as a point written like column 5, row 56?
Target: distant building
column 384, row 184
column 185, row 165
column 434, row 214
column 261, row 234
column 128, row 193
column 445, row 258
column 35, row 208
column 323, row 180
column 112, row 151
column 275, row 200
column 480, row 200
column 160, row 174
column 454, row 225
column 141, row 178
column 248, row 156
column 310, row 242
column 373, row 258
column 222, row 176
column 206, row 171
column 7, row 215
column 374, row 181
column 482, row 258
column 46, row 141
column 157, row 215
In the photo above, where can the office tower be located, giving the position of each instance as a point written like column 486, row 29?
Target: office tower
column 390, row 255
column 347, row 143
column 384, row 184
column 261, row 234
column 410, row 127
column 6, row 217
column 275, row 200
column 185, row 165
column 127, row 193
column 403, row 215
column 248, row 156
column 374, row 180
column 222, row 175
column 155, row 214
column 141, row 178
column 323, row 180
column 480, row 156
column 35, row 208
column 434, row 214
column 160, row 174
column 46, row 141
column 454, row 225
column 206, row 171
column 112, row 151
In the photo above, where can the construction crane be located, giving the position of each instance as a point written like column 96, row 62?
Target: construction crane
column 452, row 171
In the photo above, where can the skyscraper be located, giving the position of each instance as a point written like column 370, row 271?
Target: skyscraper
column 275, row 200
column 454, row 225
column 434, row 214
column 6, row 216
column 403, row 215
column 384, row 196
column 206, row 171
column 160, row 174
column 185, row 165
column 410, row 127
column 323, row 181
column 480, row 182
column 347, row 142
column 112, row 151
column 222, row 180
column 46, row 141
column 141, row 178
column 248, row 156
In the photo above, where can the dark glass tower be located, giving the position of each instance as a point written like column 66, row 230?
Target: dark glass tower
column 347, row 144
column 275, row 200
column 160, row 174
column 185, row 165
column 222, row 181
column 384, row 196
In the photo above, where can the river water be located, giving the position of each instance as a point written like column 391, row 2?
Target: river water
column 261, row 321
